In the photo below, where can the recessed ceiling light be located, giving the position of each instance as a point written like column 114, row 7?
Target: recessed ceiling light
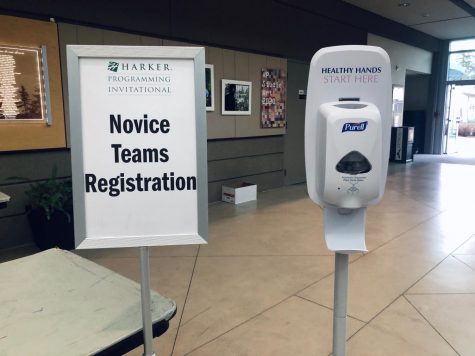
column 404, row 4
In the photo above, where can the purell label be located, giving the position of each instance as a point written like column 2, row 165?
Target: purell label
column 354, row 126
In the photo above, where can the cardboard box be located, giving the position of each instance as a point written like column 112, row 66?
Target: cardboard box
column 238, row 193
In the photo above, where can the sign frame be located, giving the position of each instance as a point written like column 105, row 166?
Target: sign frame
column 194, row 54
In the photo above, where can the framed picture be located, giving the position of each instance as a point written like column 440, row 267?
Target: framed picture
column 236, row 97
column 22, row 83
column 209, row 81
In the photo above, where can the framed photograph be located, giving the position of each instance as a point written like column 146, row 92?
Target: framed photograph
column 209, row 81
column 236, row 97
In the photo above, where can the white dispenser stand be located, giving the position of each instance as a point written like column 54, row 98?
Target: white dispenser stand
column 347, row 136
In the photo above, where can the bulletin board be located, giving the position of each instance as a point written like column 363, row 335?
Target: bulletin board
column 30, row 119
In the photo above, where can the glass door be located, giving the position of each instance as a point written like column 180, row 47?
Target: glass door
column 460, row 120
column 450, row 124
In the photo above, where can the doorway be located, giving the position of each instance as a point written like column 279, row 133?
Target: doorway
column 294, row 155
column 459, row 126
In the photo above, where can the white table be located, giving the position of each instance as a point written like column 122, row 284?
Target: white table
column 4, row 199
column 57, row 303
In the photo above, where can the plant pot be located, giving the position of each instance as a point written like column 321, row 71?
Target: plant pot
column 55, row 232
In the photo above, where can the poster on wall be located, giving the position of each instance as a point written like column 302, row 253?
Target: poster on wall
column 273, row 91
column 209, row 82
column 21, row 84
column 138, row 145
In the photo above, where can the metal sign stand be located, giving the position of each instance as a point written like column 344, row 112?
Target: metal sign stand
column 146, row 304
column 339, row 304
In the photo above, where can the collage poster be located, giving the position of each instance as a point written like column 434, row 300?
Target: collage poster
column 273, row 91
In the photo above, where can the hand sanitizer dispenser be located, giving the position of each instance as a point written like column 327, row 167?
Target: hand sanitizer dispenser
column 352, row 160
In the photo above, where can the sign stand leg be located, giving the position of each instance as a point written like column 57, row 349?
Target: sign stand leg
column 146, row 305
column 339, row 305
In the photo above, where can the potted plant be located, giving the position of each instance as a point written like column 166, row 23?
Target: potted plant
column 50, row 213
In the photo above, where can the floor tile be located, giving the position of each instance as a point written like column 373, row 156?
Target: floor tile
column 260, row 254
column 438, row 185
column 452, row 316
column 467, row 248
column 169, row 276
column 469, row 260
column 456, row 224
column 395, row 213
column 379, row 277
column 294, row 327
column 281, row 222
column 376, row 237
column 451, row 276
column 398, row 330
column 287, row 228
column 228, row 291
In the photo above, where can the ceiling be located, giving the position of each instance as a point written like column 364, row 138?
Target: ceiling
column 443, row 19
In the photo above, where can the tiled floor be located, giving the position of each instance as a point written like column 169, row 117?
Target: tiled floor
column 264, row 283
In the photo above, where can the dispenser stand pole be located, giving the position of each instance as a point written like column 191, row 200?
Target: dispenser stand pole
column 340, row 303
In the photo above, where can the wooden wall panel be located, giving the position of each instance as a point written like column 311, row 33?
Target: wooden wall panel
column 244, row 147
column 272, row 62
column 244, row 166
column 176, row 43
column 264, row 181
column 33, row 165
column 35, row 135
column 257, row 160
column 68, row 34
column 228, row 64
column 150, row 41
column 229, row 72
column 242, row 66
column 218, row 126
column 15, row 231
column 89, row 36
column 120, row 38
column 17, row 205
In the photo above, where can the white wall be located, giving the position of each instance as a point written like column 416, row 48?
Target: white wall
column 403, row 57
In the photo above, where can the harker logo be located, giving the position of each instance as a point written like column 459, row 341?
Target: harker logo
column 113, row 66
column 354, row 126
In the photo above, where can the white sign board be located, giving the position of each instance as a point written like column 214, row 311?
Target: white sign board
column 138, row 145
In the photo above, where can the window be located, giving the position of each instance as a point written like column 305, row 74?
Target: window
column 462, row 45
column 461, row 60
